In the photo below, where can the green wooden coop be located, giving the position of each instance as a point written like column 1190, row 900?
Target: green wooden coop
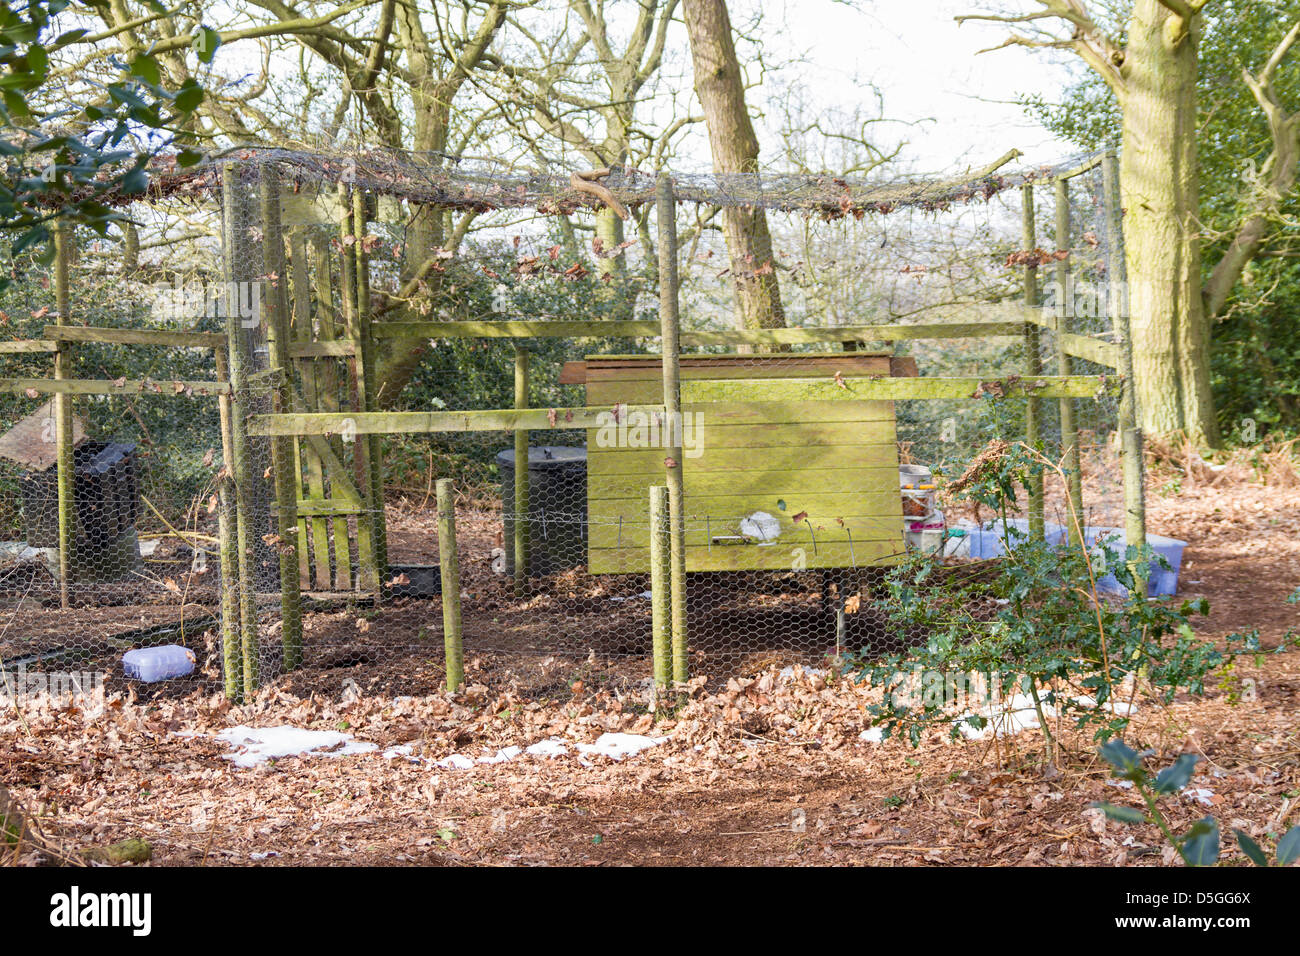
column 770, row 483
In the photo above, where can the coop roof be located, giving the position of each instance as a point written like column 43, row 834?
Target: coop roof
column 780, row 365
column 31, row 443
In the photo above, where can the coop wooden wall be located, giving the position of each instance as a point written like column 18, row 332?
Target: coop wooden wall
column 833, row 465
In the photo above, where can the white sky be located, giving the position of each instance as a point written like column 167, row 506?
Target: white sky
column 952, row 107
column 926, row 68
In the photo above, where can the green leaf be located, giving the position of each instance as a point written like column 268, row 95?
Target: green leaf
column 1201, row 844
column 206, row 42
column 1250, row 848
column 1288, row 848
column 135, row 181
column 1123, row 758
column 16, row 104
column 188, row 157
column 72, row 36
column 38, row 62
column 146, row 67
column 188, row 97
column 30, row 238
column 1173, row 778
column 1121, row 814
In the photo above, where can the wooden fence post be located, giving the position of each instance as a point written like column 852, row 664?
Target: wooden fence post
column 449, row 563
column 1069, row 429
column 368, row 570
column 1033, row 360
column 282, row 449
column 227, row 549
column 327, row 395
column 522, row 527
column 66, row 474
column 367, row 367
column 234, row 251
column 313, row 561
column 670, row 337
column 1135, row 518
column 661, row 635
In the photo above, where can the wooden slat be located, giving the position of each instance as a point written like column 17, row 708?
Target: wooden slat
column 903, row 366
column 329, row 507
column 1080, row 346
column 811, row 459
column 837, row 554
column 310, row 472
column 82, row 386
column 745, row 482
column 23, row 346
column 171, row 339
column 857, row 389
column 723, row 532
column 875, row 479
column 726, row 368
column 325, row 319
column 821, row 509
column 965, row 323
column 380, row 423
column 335, row 349
column 777, row 435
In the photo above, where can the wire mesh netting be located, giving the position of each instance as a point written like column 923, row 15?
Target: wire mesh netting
column 197, row 531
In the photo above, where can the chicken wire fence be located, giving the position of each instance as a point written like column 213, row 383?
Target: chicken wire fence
column 797, row 500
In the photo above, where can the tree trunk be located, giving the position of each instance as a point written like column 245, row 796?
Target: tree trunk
column 1160, row 186
column 721, row 89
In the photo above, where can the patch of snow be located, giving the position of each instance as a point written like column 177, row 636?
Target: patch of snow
column 619, row 746
column 402, row 750
column 1122, row 784
column 872, row 735
column 502, row 756
column 262, row 856
column 257, row 745
column 1200, row 795
column 616, row 746
column 550, row 747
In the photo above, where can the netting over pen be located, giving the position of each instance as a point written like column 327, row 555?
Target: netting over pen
column 486, row 184
column 790, row 522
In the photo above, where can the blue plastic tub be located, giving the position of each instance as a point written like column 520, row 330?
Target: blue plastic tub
column 986, row 541
column 1162, row 580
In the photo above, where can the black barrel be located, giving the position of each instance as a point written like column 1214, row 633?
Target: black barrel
column 105, row 496
column 557, row 508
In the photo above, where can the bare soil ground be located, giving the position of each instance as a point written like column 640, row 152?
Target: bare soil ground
column 756, row 769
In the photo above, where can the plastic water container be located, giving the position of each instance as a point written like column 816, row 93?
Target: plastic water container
column 987, row 541
column 1161, row 581
column 152, row 664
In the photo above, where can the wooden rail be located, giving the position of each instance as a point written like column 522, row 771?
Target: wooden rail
column 161, row 337
column 89, row 386
column 384, row 423
column 640, row 329
column 513, row 419
column 1079, row 346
